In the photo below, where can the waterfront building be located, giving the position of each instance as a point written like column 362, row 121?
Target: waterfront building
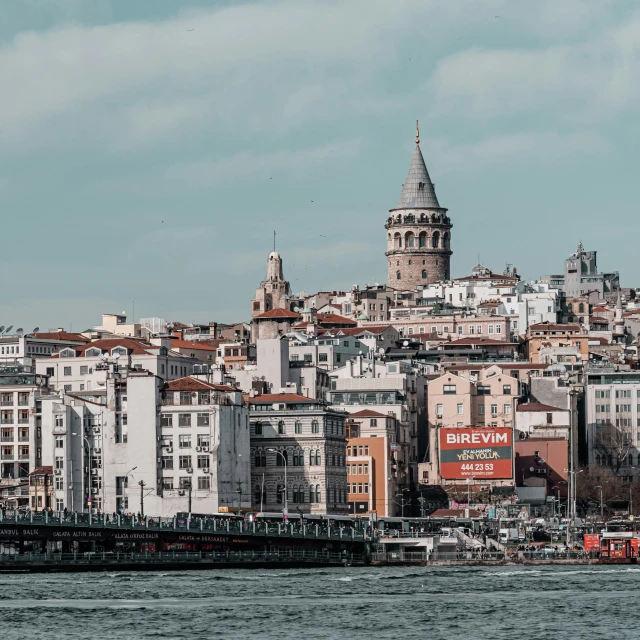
column 377, row 463
column 20, row 429
column 298, row 445
column 390, row 388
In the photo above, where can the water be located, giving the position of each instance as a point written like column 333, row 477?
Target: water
column 436, row 602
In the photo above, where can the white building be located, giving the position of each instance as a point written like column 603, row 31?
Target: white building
column 148, row 446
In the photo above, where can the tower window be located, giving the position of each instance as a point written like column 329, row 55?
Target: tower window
column 424, row 274
column 420, row 186
column 409, row 262
column 398, row 275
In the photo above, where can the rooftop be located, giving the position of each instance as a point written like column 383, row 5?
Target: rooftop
column 538, row 406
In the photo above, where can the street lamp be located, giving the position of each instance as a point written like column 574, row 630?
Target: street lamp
column 402, row 502
column 284, row 459
column 601, row 504
column 78, row 435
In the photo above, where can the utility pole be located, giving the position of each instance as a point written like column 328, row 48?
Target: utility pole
column 601, row 503
column 239, row 492
column 190, row 490
column 142, row 484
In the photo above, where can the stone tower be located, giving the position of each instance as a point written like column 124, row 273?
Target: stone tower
column 274, row 290
column 418, row 231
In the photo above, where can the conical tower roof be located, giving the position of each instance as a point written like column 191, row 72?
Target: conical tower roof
column 418, row 191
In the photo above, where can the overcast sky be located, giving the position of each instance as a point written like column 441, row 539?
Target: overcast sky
column 148, row 149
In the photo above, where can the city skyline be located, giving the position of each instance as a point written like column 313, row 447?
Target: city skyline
column 134, row 134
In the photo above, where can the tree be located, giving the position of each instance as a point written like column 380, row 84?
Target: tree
column 589, row 478
column 613, row 444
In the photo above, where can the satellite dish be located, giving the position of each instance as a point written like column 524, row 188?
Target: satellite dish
column 1, row 328
column 117, row 356
column 8, row 328
column 20, row 331
column 296, row 309
column 405, row 343
column 36, row 330
column 531, row 469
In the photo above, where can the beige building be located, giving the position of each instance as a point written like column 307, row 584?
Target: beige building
column 274, row 290
column 486, row 397
column 547, row 334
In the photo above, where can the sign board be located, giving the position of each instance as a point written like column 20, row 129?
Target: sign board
column 478, row 452
column 591, row 542
column 394, row 446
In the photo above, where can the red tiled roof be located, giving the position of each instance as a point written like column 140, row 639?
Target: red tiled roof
column 596, row 320
column 61, row 335
column 334, row 318
column 537, row 406
column 600, row 309
column 368, row 413
column 278, row 313
column 176, row 343
column 41, row 471
column 271, row 398
column 193, row 384
column 598, row 339
column 135, row 347
column 548, row 326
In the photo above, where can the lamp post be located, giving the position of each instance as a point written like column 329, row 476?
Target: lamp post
column 601, row 503
column 126, row 483
column 284, row 459
column 88, row 501
column 402, row 501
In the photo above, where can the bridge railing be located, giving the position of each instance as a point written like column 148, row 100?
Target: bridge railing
column 215, row 525
column 183, row 557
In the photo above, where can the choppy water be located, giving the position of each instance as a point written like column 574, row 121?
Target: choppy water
column 449, row 603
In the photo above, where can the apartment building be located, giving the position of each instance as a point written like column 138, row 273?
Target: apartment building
column 20, row 433
column 488, row 397
column 548, row 334
column 298, row 446
column 377, row 463
column 391, row 388
column 79, row 368
column 148, row 446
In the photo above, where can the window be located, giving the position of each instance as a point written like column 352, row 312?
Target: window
column 281, row 429
column 315, row 426
column 59, row 464
column 460, row 409
column 506, row 409
column 204, row 483
column 498, row 329
column 59, row 483
column 398, row 275
column 184, row 483
column 373, row 422
column 439, row 410
column 322, row 357
column 449, row 389
column 167, row 462
column 184, row 419
column 298, row 426
column 484, row 390
column 258, row 428
column 166, row 419
column 167, row 483
column 67, row 371
column 494, row 410
column 203, row 462
column 424, row 274
column 203, row 420
column 185, row 462
column 506, row 389
column 185, row 441
column 59, row 443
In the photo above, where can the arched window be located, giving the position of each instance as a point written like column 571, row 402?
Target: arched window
column 295, row 493
column 314, row 426
column 94, row 352
column 398, row 275
column 258, row 459
column 424, row 274
column 581, row 307
column 257, row 495
column 422, row 239
column 279, row 494
column 119, row 351
column 435, row 239
column 409, row 240
column 301, row 458
column 318, row 494
column 298, row 426
column 311, row 493
column 570, row 307
column 281, row 427
column 318, row 458
column 397, row 241
column 263, row 458
column 285, row 453
column 295, row 458
column 445, row 240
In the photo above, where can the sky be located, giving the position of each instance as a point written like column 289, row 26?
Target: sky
column 148, row 150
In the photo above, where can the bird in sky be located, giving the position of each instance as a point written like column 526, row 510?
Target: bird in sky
column 190, row 29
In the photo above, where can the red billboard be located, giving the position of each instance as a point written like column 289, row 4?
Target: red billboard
column 476, row 452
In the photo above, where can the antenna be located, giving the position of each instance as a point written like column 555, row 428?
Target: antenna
column 274, row 241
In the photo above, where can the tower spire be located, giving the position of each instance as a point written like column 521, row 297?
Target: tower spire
column 417, row 133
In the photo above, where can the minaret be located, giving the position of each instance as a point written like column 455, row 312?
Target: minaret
column 618, row 321
column 418, row 231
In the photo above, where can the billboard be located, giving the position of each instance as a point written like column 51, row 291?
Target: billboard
column 476, row 452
